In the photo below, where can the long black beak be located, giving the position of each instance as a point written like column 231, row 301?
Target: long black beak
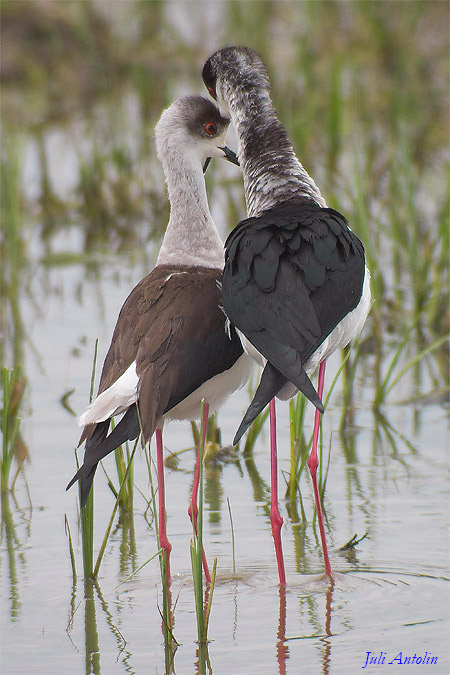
column 227, row 154
column 230, row 155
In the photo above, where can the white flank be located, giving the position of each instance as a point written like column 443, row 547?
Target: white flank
column 215, row 391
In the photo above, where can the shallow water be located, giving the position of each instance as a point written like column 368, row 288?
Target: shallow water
column 364, row 95
column 390, row 595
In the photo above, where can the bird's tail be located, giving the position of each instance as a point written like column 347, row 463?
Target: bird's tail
column 304, row 384
column 269, row 385
column 99, row 445
column 272, row 381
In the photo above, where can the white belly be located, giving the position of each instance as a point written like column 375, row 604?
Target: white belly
column 215, row 391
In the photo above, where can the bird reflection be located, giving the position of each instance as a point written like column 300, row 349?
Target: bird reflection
column 326, row 659
column 282, row 647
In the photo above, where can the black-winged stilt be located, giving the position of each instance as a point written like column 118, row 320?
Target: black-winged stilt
column 171, row 347
column 295, row 284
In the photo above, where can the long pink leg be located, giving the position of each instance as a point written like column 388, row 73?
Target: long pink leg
column 163, row 540
column 193, row 508
column 275, row 517
column 313, row 463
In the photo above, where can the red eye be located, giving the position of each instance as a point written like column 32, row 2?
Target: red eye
column 211, row 128
column 212, row 92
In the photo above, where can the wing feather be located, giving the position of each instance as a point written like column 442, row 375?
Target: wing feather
column 173, row 328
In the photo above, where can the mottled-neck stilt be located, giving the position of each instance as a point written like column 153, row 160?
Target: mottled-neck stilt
column 171, row 347
column 295, row 284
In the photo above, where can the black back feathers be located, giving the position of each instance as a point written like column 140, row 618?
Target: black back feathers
column 291, row 275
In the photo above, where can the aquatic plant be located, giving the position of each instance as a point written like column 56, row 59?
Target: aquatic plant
column 87, row 512
column 13, row 385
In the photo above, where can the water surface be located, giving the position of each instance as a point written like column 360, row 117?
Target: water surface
column 364, row 95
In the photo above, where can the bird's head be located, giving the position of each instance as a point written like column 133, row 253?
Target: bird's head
column 231, row 68
column 193, row 125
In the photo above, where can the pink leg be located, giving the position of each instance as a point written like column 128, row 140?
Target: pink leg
column 193, row 508
column 313, row 463
column 275, row 517
column 163, row 541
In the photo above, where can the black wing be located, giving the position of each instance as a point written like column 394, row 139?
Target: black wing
column 291, row 275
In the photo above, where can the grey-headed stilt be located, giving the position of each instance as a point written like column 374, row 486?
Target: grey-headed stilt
column 171, row 347
column 295, row 284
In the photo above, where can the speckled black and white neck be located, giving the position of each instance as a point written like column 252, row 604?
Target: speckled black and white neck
column 271, row 171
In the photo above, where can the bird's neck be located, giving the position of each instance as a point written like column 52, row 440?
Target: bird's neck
column 272, row 173
column 191, row 237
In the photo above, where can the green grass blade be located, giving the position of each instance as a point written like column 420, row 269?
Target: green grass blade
column 87, row 536
column 210, row 599
column 71, row 551
column 418, row 357
column 136, row 571
column 113, row 513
